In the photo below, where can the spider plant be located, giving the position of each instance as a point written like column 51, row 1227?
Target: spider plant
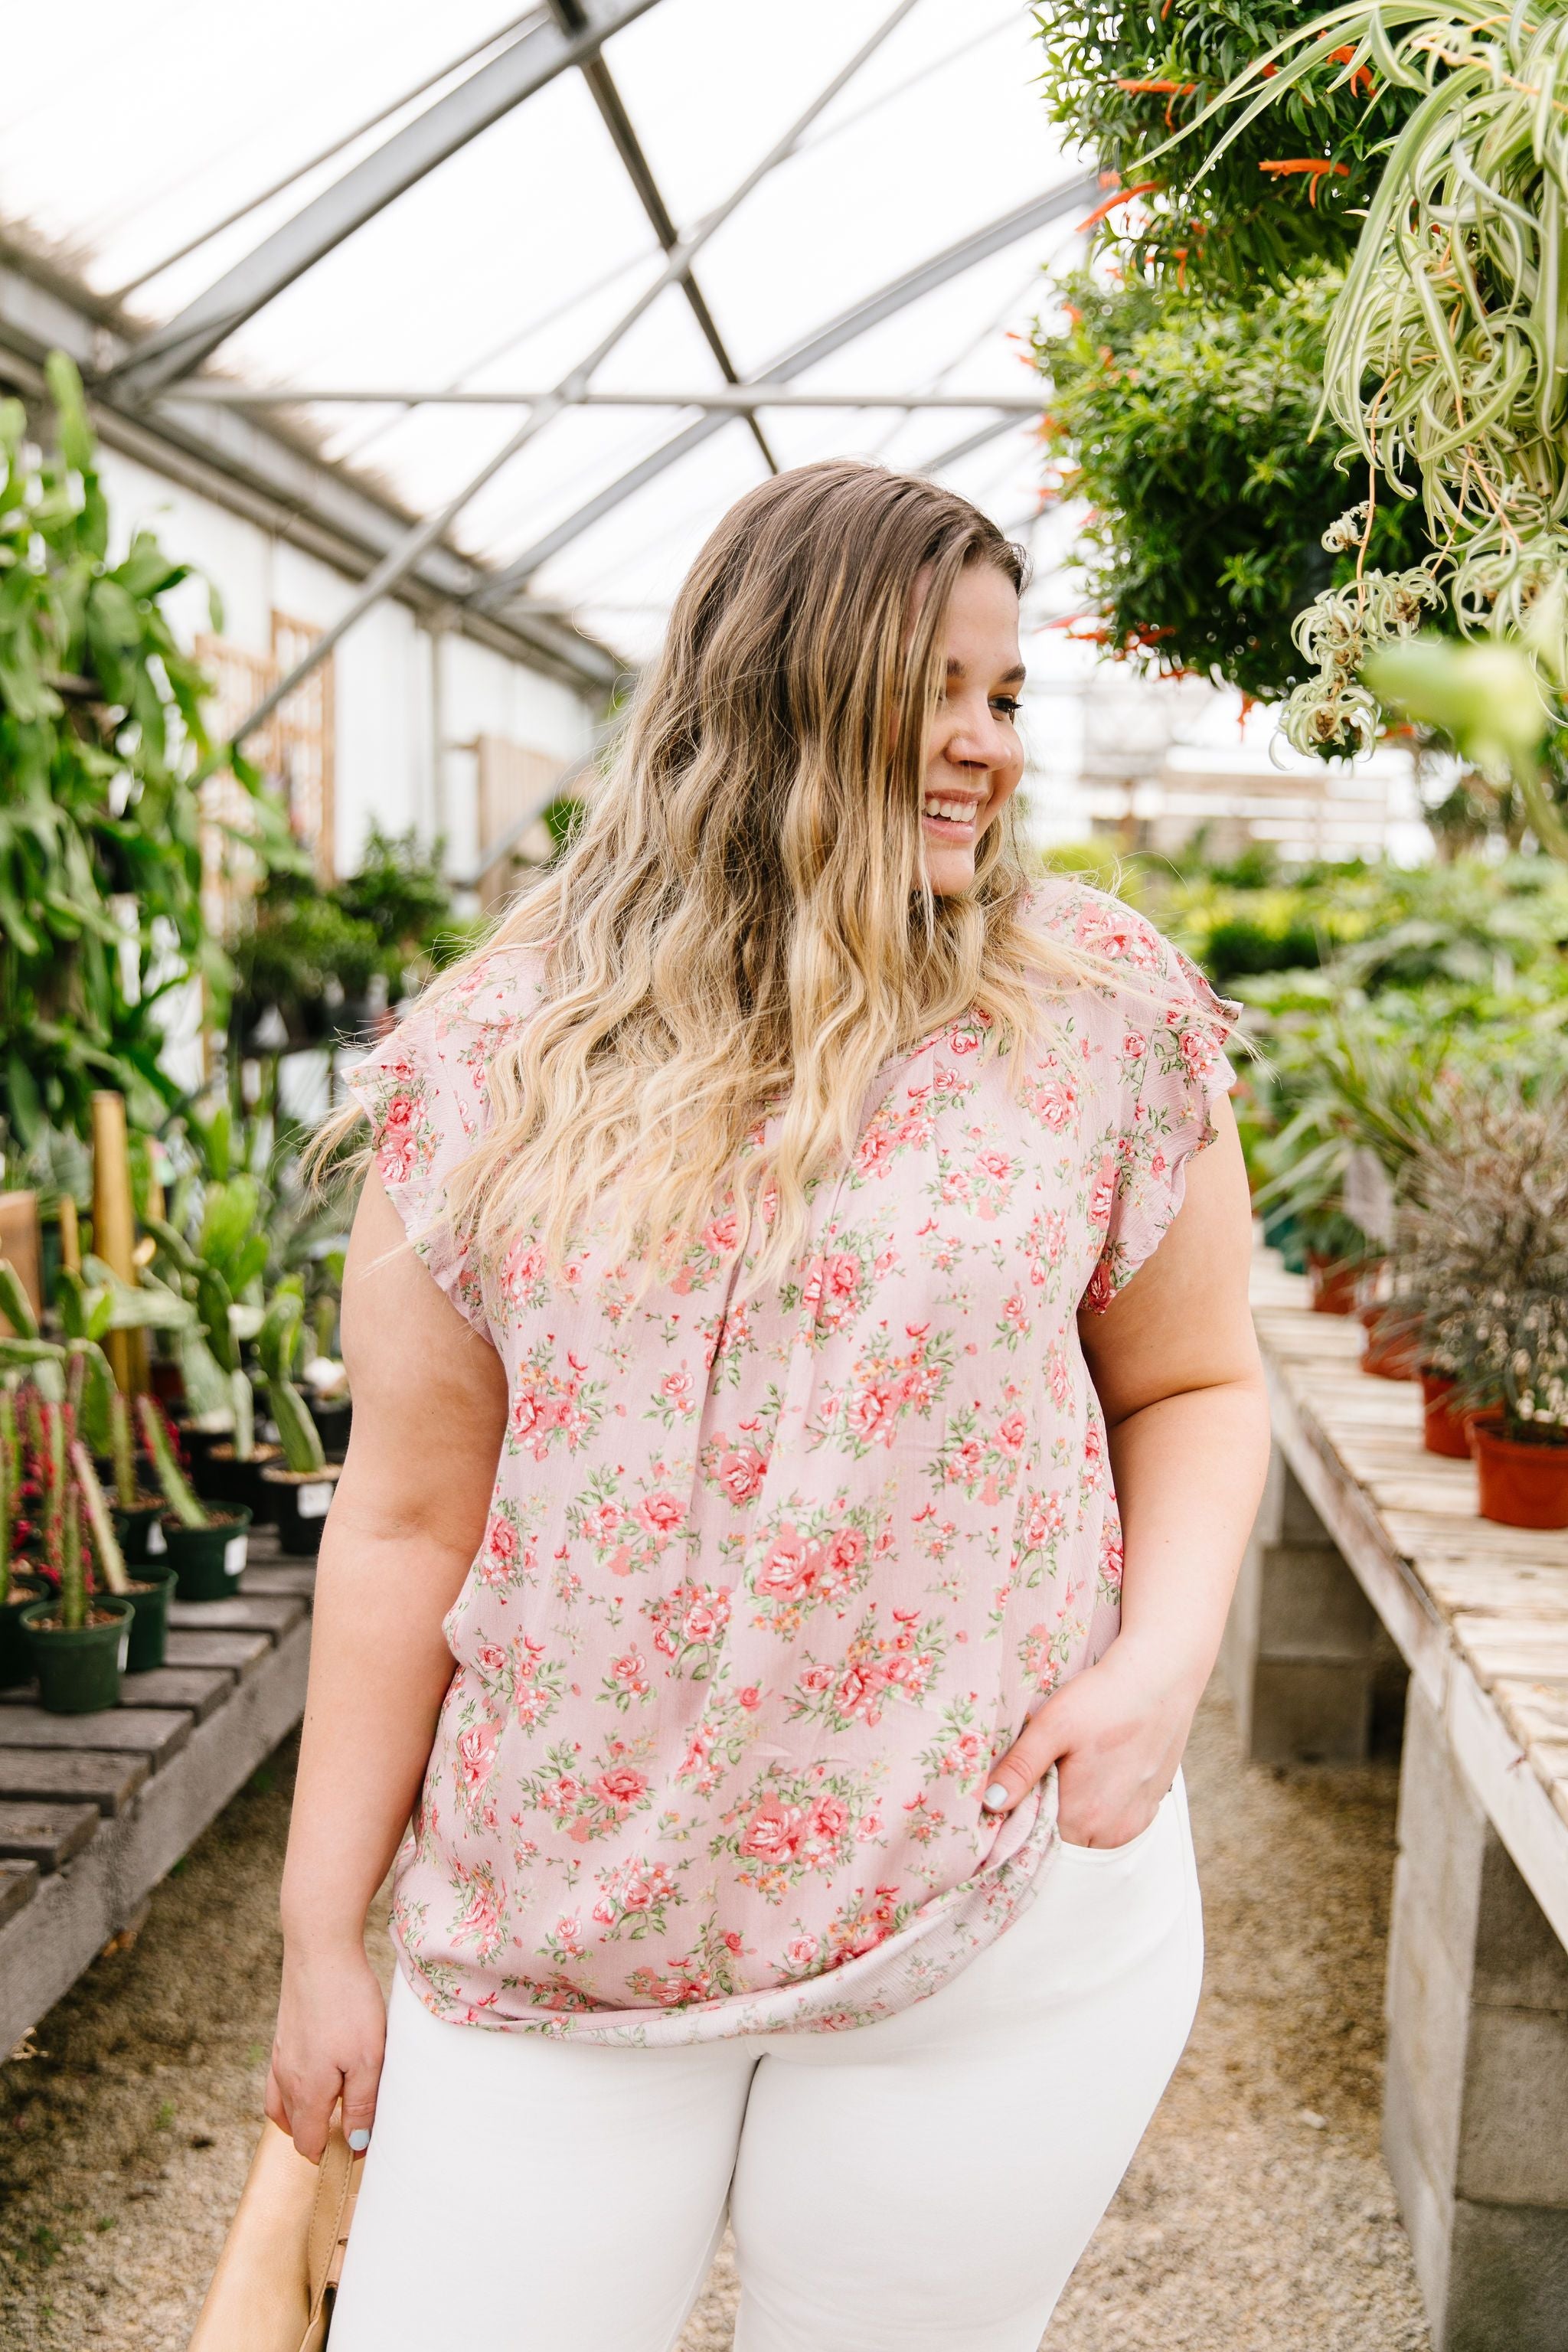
column 1447, row 357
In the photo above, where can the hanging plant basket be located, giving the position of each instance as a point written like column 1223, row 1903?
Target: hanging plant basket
column 78, row 1671
column 1523, row 1483
column 1445, row 1428
column 209, row 1562
column 16, row 1658
column 300, row 1501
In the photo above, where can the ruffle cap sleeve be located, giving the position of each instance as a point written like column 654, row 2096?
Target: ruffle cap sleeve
column 1184, row 1025
column 425, row 1091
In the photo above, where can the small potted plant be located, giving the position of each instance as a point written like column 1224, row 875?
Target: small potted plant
column 1484, row 1233
column 207, row 1549
column 19, row 1587
column 148, row 1591
column 302, row 1488
column 138, row 1509
column 79, row 1639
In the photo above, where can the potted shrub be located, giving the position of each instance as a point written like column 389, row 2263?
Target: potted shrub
column 302, row 1488
column 1484, row 1231
column 207, row 1549
column 19, row 1587
column 78, row 1640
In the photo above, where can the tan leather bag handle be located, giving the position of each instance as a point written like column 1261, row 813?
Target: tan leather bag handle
column 276, row 2276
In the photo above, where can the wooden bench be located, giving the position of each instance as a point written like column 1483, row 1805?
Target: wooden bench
column 1371, row 1588
column 95, row 1809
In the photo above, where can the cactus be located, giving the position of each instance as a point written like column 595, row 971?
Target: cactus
column 243, row 1402
column 127, row 1489
column 171, row 1477
column 15, row 1303
column 10, row 1479
column 277, row 1344
column 106, row 1549
column 62, row 1523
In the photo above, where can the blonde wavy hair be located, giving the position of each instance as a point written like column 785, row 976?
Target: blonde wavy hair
column 743, row 926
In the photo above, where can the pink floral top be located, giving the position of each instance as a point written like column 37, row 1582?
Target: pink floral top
column 771, row 1580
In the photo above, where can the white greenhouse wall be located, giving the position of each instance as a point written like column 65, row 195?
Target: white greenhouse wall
column 385, row 751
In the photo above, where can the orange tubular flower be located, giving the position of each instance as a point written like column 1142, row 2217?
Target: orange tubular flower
column 1122, row 196
column 1318, row 166
column 1165, row 89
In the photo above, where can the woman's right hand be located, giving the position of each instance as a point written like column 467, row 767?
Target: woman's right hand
column 331, row 2030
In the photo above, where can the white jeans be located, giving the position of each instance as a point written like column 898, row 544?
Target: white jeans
column 924, row 2184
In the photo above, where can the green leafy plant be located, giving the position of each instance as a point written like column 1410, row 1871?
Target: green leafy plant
column 10, row 1486
column 1185, row 426
column 1288, row 188
column 102, row 736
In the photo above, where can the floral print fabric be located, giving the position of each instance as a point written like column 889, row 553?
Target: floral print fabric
column 772, row 1576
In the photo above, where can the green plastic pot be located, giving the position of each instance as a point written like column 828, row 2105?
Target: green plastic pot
column 139, row 1531
column 151, row 1589
column 79, row 1672
column 208, row 1561
column 16, row 1658
column 301, row 1501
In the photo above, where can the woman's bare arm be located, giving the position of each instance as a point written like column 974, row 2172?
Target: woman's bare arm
column 409, row 1513
column 1177, row 1368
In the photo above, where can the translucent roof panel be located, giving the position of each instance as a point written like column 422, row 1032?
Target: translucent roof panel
column 502, row 269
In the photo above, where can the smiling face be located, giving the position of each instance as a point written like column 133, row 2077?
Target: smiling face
column 974, row 759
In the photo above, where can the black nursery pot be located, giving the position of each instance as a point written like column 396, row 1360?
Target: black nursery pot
column 301, row 1499
column 332, row 1419
column 151, row 1589
column 209, row 1562
column 78, row 1671
column 224, row 1478
column 16, row 1657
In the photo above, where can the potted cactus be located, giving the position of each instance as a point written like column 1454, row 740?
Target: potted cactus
column 302, row 1488
column 19, row 1586
column 138, row 1509
column 207, row 1549
column 148, row 1591
column 79, row 1639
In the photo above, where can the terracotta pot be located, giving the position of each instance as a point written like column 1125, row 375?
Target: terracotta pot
column 1388, row 1355
column 1334, row 1284
column 1523, row 1483
column 1445, row 1430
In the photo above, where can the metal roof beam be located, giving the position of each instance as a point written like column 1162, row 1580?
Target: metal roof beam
column 400, row 560
column 531, row 61
column 857, row 320
column 732, row 399
column 571, row 17
column 271, row 480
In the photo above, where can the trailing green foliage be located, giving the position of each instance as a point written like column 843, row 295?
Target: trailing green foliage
column 1119, row 78
column 1187, row 428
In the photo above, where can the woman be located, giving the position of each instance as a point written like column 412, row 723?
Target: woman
column 799, row 1833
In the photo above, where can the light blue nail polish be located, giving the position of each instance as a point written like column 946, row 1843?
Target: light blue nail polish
column 359, row 2141
column 996, row 1797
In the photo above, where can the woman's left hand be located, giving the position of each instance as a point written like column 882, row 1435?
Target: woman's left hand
column 1115, row 1734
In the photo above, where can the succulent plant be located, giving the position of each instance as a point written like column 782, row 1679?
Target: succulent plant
column 278, row 1346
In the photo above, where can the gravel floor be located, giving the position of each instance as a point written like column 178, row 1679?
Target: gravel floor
column 1257, row 2217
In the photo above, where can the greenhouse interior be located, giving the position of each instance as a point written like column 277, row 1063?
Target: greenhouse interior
column 970, row 598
